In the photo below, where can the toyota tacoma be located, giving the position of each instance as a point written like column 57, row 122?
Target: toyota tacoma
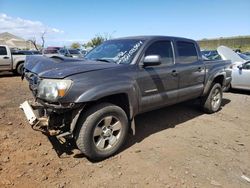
column 95, row 100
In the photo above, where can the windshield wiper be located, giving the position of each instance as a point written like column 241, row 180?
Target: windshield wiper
column 105, row 60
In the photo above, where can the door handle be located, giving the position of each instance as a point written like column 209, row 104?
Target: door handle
column 174, row 73
column 199, row 69
column 5, row 57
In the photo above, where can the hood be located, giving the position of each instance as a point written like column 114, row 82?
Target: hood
column 61, row 67
column 228, row 54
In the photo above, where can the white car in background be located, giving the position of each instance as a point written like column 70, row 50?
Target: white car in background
column 240, row 67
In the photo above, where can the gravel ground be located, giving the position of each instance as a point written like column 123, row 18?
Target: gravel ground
column 177, row 146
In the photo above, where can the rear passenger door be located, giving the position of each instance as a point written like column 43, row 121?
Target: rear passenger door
column 191, row 70
column 158, row 85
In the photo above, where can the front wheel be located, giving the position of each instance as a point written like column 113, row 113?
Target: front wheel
column 212, row 102
column 102, row 131
column 19, row 69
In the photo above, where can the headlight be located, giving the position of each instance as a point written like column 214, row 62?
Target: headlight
column 51, row 90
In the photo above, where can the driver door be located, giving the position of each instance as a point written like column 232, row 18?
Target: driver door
column 158, row 84
column 241, row 77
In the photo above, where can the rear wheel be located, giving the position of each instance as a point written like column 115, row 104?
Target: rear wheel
column 102, row 131
column 212, row 102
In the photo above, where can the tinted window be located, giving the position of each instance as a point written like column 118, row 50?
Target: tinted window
column 74, row 52
column 3, row 50
column 187, row 52
column 62, row 51
column 163, row 49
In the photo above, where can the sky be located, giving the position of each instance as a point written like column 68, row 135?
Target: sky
column 79, row 21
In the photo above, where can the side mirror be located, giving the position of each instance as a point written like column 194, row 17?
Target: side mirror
column 240, row 67
column 152, row 60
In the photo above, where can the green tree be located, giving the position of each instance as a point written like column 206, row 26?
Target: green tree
column 97, row 40
column 75, row 45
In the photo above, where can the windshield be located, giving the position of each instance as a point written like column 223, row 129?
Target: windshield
column 74, row 51
column 117, row 51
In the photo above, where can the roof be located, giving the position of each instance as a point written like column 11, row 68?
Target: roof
column 150, row 37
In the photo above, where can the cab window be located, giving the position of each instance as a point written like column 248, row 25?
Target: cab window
column 187, row 52
column 3, row 50
column 163, row 49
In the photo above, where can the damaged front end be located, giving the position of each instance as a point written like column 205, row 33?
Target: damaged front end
column 53, row 120
column 48, row 115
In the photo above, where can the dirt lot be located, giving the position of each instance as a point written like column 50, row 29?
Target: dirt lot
column 178, row 146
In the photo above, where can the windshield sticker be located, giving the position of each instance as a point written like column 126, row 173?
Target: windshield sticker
column 124, row 56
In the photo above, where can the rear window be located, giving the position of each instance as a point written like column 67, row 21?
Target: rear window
column 3, row 50
column 187, row 52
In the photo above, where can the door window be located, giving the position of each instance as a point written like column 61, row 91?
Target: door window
column 3, row 50
column 163, row 49
column 187, row 52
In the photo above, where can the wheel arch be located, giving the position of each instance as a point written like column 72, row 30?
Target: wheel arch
column 119, row 99
column 218, row 78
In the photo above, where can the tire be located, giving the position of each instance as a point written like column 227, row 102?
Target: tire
column 19, row 69
column 212, row 102
column 96, row 135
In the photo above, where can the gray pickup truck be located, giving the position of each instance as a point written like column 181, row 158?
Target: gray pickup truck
column 10, row 62
column 95, row 100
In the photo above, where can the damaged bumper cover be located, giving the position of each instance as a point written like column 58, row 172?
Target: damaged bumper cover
column 56, row 120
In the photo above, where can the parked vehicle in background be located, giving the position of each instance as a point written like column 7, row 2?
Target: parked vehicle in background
column 240, row 68
column 25, row 52
column 244, row 56
column 211, row 54
column 247, row 53
column 84, row 52
column 95, row 100
column 11, row 62
column 50, row 51
column 227, row 53
column 35, row 52
column 75, row 53
column 241, row 77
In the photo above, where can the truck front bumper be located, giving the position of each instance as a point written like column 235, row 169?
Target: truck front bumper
column 59, row 122
column 36, row 122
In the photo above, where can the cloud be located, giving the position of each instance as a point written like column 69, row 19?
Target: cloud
column 25, row 28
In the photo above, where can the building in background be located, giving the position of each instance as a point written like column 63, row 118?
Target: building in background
column 16, row 42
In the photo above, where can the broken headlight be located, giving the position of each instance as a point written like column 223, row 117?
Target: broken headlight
column 52, row 89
